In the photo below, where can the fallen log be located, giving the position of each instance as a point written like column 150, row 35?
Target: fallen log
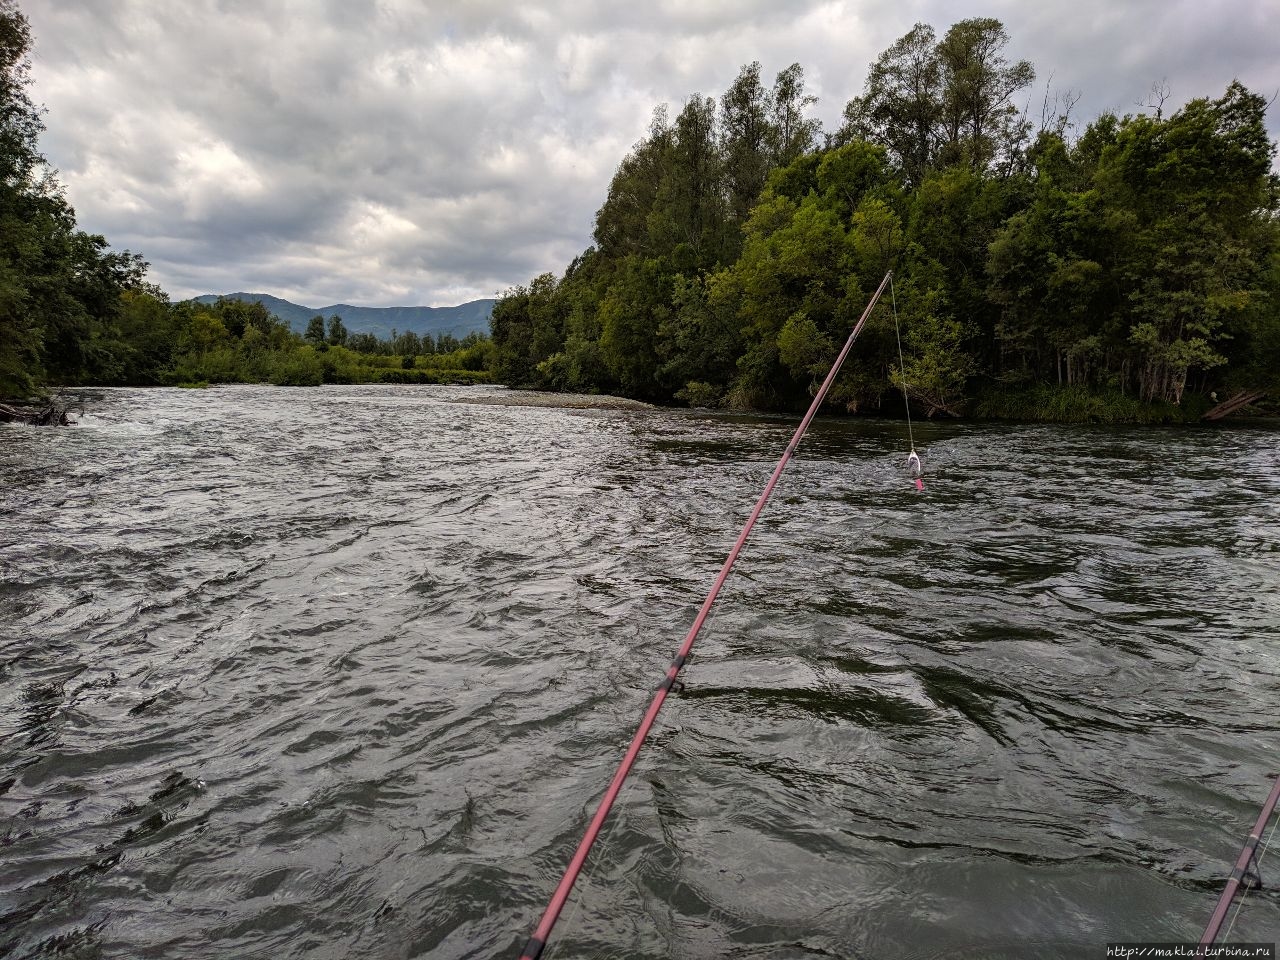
column 51, row 414
column 932, row 403
column 1229, row 406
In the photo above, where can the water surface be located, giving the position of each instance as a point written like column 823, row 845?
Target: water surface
column 339, row 672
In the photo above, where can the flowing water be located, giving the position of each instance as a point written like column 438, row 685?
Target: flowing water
column 340, row 672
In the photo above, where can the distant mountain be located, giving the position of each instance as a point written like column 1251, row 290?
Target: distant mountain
column 459, row 321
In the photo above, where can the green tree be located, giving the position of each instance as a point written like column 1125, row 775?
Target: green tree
column 935, row 104
column 794, row 134
column 633, row 309
column 337, row 336
column 60, row 288
column 979, row 120
column 1146, row 250
column 315, row 330
column 363, row 343
column 689, row 212
column 747, row 136
column 622, row 224
column 902, row 104
column 407, row 344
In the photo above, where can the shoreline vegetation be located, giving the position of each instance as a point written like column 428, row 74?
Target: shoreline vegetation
column 72, row 311
column 1123, row 270
column 1126, row 272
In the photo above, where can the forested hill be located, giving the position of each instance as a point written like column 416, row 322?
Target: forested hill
column 471, row 317
column 1129, row 269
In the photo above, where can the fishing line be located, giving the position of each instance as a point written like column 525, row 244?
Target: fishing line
column 902, row 366
column 913, row 459
column 534, row 947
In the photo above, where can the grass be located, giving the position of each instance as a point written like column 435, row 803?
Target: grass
column 1047, row 404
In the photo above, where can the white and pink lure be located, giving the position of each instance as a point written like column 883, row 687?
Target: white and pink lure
column 916, row 468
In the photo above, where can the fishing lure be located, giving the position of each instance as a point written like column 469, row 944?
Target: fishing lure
column 916, row 468
column 913, row 459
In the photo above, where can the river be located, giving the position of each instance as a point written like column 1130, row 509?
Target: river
column 340, row 672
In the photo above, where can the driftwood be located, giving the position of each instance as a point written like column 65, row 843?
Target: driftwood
column 932, row 404
column 51, row 414
column 1232, row 404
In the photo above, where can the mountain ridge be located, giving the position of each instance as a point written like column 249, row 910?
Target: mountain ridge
column 460, row 320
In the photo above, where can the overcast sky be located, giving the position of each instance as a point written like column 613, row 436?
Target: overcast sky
column 402, row 152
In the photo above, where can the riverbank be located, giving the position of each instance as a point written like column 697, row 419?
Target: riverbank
column 1073, row 404
column 1046, row 404
column 542, row 398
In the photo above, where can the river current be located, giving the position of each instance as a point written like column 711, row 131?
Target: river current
column 341, row 672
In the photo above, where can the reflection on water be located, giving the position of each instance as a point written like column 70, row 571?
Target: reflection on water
column 338, row 672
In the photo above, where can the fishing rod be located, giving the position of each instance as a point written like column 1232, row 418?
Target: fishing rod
column 533, row 949
column 1245, row 875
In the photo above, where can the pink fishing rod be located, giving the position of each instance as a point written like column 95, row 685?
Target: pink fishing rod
column 533, row 949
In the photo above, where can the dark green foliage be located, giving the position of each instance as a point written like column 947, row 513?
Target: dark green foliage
column 60, row 288
column 1145, row 254
column 937, row 104
column 1126, row 275
column 528, row 328
column 1078, row 404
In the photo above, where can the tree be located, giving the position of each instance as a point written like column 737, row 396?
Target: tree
column 337, row 332
column 622, row 223
column 732, row 259
column 978, row 117
column 934, row 104
column 1200, row 200
column 407, row 344
column 633, row 309
column 693, row 207
column 794, row 134
column 60, row 288
column 901, row 105
column 1145, row 253
column 746, row 137
column 363, row 343
column 315, row 330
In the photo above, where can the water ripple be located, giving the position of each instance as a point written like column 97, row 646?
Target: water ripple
column 340, row 672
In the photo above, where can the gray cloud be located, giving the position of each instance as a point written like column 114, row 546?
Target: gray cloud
column 401, row 152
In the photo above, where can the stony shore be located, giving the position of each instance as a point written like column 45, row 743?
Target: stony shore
column 539, row 398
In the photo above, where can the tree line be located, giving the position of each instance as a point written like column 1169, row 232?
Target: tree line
column 232, row 341
column 74, row 311
column 335, row 333
column 1136, row 262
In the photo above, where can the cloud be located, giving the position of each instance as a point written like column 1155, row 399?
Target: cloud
column 398, row 152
